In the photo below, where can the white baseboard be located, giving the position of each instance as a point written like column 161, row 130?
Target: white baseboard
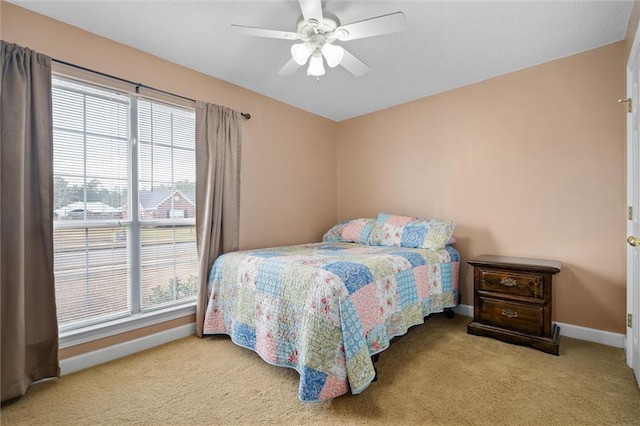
column 100, row 356
column 464, row 310
column 574, row 331
column 608, row 338
column 90, row 359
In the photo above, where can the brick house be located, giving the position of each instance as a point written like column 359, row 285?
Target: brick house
column 166, row 204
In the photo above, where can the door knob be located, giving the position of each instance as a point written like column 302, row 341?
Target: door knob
column 633, row 241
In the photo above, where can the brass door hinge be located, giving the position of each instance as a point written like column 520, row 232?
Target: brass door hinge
column 629, row 320
column 628, row 101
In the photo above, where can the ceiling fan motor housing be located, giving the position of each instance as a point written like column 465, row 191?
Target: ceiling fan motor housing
column 319, row 33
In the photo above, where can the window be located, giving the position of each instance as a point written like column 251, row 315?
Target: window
column 124, row 204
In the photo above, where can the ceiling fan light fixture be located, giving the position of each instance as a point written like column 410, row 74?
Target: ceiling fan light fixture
column 300, row 52
column 316, row 65
column 333, row 54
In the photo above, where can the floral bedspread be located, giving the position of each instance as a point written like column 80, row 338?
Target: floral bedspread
column 325, row 308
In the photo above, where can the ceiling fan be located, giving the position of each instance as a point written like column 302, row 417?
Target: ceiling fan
column 317, row 32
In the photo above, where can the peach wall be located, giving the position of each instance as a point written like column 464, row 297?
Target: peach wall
column 288, row 182
column 528, row 164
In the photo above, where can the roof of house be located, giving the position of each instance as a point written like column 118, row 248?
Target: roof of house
column 152, row 199
column 90, row 206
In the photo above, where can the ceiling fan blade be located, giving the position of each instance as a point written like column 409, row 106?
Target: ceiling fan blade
column 354, row 65
column 385, row 24
column 289, row 68
column 311, row 10
column 264, row 32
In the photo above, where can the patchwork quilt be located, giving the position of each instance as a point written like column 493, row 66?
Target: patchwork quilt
column 325, row 308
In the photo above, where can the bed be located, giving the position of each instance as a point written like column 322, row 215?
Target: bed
column 326, row 308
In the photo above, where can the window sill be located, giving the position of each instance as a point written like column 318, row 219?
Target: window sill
column 99, row 331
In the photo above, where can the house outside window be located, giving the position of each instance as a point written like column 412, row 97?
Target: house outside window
column 124, row 169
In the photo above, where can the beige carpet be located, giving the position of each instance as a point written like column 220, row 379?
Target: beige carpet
column 436, row 374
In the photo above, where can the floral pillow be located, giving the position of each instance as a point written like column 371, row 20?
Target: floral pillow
column 350, row 231
column 405, row 231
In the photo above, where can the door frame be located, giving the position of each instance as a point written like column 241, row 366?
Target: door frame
column 633, row 281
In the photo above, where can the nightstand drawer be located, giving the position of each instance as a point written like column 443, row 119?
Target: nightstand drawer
column 528, row 285
column 515, row 316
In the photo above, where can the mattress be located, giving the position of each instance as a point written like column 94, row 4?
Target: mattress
column 325, row 308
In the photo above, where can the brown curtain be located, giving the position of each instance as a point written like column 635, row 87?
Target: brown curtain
column 218, row 146
column 29, row 328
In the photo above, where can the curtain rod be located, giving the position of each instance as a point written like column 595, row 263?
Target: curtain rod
column 245, row 115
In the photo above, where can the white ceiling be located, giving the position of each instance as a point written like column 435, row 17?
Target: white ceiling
column 446, row 44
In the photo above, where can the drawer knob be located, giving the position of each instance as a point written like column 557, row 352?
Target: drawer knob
column 509, row 313
column 508, row 282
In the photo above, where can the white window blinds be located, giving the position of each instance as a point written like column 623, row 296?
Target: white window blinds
column 167, row 196
column 124, row 219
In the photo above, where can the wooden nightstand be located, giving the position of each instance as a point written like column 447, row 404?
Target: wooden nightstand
column 512, row 301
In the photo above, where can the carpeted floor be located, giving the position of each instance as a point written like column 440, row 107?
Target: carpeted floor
column 436, row 374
